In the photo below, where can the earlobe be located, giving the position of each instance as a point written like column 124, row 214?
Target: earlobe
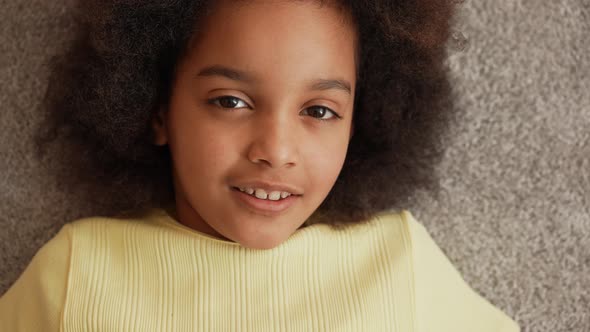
column 160, row 131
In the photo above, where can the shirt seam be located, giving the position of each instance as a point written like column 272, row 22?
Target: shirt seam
column 411, row 258
column 68, row 229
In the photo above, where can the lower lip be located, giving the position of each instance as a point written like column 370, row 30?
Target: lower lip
column 264, row 205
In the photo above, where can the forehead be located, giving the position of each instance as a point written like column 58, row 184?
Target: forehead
column 282, row 38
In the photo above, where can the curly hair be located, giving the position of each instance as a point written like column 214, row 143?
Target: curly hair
column 105, row 88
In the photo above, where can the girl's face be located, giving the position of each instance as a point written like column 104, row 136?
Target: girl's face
column 262, row 101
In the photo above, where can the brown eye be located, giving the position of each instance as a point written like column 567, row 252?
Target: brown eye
column 321, row 113
column 227, row 102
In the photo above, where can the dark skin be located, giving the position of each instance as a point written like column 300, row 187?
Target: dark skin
column 283, row 122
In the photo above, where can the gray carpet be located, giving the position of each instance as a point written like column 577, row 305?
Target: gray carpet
column 515, row 212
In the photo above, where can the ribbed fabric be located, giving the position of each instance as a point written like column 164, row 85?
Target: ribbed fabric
column 154, row 274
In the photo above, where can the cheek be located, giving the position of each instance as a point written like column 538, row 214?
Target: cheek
column 206, row 151
column 324, row 161
column 200, row 148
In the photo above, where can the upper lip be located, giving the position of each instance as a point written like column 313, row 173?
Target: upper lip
column 270, row 186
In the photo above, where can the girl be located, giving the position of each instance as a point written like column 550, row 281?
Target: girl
column 256, row 147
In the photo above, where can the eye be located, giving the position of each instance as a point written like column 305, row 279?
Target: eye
column 321, row 113
column 228, row 102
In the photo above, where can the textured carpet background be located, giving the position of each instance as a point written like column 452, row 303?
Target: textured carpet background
column 515, row 212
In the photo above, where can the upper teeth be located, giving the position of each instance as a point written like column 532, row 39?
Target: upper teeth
column 262, row 194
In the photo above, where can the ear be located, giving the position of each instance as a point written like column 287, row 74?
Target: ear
column 159, row 126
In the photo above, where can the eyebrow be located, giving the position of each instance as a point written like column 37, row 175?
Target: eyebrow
column 242, row 76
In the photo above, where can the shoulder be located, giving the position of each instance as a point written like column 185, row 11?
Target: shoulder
column 96, row 225
column 108, row 235
column 35, row 301
column 444, row 301
column 403, row 219
column 400, row 225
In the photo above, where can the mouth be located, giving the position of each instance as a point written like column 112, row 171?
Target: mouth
column 269, row 206
column 275, row 195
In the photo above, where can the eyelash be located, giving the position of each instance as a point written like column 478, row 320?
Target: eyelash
column 213, row 101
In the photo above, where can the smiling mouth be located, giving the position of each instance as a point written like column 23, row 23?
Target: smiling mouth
column 265, row 195
column 265, row 206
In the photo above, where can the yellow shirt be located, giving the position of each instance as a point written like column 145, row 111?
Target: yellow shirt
column 151, row 273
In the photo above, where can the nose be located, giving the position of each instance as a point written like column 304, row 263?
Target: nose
column 274, row 142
